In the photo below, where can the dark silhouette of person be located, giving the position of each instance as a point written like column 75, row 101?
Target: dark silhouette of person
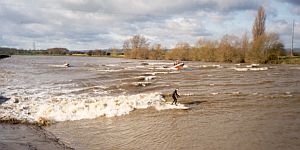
column 175, row 96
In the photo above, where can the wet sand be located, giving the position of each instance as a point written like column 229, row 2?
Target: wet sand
column 28, row 137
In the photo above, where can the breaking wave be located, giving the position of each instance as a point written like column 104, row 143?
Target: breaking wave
column 68, row 108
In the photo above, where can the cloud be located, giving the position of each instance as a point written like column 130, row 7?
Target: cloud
column 296, row 10
column 284, row 29
column 91, row 24
column 294, row 2
column 156, row 7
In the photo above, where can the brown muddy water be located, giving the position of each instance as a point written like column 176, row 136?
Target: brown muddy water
column 110, row 103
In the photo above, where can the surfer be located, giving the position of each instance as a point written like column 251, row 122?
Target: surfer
column 175, row 96
column 178, row 65
column 176, row 62
column 66, row 64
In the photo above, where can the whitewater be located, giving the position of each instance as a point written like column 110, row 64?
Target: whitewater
column 40, row 90
column 114, row 103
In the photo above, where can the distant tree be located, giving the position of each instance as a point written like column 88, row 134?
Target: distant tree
column 195, row 54
column 180, row 52
column 273, row 47
column 255, row 54
column 259, row 23
column 266, row 48
column 113, row 51
column 57, row 51
column 228, row 49
column 136, row 47
column 207, row 49
column 156, row 52
column 76, row 52
column 97, row 52
column 245, row 46
column 89, row 53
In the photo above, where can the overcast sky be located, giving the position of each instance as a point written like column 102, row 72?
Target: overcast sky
column 99, row 24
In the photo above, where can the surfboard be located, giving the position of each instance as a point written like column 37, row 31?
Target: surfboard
column 179, row 66
column 168, row 105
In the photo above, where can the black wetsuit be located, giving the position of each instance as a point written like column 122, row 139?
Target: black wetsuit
column 174, row 96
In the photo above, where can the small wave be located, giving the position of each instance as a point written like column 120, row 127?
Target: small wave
column 107, row 70
column 211, row 66
column 111, row 65
column 296, row 68
column 250, row 69
column 141, row 83
column 155, row 73
column 146, row 78
column 214, row 93
column 252, row 65
column 59, row 66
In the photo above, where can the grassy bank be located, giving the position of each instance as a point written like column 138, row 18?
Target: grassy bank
column 286, row 60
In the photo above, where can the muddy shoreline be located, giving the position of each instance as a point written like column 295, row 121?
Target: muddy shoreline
column 28, row 137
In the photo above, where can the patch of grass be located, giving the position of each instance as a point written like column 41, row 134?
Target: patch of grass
column 287, row 60
column 78, row 55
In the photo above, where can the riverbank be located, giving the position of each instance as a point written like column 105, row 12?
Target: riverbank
column 22, row 136
column 280, row 60
column 287, row 60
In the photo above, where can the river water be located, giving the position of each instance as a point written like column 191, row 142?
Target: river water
column 113, row 103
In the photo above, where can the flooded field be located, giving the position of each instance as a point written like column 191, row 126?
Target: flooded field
column 112, row 103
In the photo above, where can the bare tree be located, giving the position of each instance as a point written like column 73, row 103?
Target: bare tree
column 259, row 23
column 136, row 47
column 256, row 54
column 245, row 46
column 206, row 49
column 157, row 52
column 181, row 51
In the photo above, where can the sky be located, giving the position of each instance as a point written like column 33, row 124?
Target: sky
column 102, row 24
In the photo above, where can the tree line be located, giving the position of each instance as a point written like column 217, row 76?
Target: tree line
column 264, row 47
column 60, row 51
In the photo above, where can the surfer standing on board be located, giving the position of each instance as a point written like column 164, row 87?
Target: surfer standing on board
column 175, row 96
column 176, row 62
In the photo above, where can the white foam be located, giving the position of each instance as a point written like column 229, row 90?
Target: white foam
column 90, row 108
column 59, row 66
column 155, row 73
column 211, row 66
column 148, row 78
column 251, row 69
column 140, row 67
column 259, row 69
column 112, row 65
column 241, row 69
column 252, row 65
column 108, row 70
column 215, row 93
column 63, row 108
